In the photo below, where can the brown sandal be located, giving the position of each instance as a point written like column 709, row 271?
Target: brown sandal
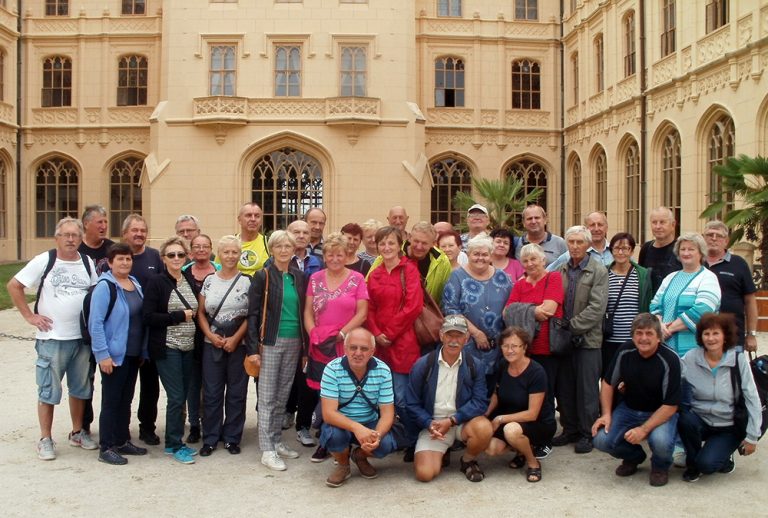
column 471, row 470
column 533, row 474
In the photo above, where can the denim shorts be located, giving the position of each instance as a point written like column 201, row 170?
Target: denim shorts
column 55, row 358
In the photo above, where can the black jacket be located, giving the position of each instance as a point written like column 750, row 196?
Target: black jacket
column 274, row 307
column 155, row 312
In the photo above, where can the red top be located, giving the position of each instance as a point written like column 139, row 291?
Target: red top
column 393, row 314
column 524, row 291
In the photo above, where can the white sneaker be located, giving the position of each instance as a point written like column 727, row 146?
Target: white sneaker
column 305, row 438
column 678, row 458
column 83, row 440
column 273, row 461
column 46, row 449
column 285, row 452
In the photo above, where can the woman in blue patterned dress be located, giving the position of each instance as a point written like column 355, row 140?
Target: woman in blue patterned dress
column 479, row 292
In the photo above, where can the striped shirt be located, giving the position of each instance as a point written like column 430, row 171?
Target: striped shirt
column 337, row 384
column 627, row 308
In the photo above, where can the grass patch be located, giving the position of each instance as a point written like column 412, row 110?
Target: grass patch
column 6, row 272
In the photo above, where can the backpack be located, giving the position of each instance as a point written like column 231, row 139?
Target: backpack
column 48, row 267
column 85, row 313
column 759, row 368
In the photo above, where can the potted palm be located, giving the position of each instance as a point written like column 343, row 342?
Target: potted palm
column 505, row 200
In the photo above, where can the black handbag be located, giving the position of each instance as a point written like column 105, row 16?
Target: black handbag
column 560, row 340
column 608, row 317
column 740, row 413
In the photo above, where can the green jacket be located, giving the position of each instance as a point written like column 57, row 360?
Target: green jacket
column 589, row 302
column 646, row 290
column 437, row 275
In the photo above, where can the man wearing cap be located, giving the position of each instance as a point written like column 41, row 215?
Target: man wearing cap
column 477, row 221
column 446, row 399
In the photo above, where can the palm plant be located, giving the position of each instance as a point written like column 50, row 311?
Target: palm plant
column 745, row 178
column 505, row 200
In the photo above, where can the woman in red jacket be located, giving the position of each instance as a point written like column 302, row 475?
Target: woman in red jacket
column 395, row 301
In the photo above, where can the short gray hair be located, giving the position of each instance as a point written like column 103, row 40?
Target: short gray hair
column 695, row 238
column 426, row 227
column 90, row 210
column 67, row 221
column 716, row 224
column 130, row 218
column 279, row 236
column 480, row 241
column 579, row 230
column 647, row 321
column 533, row 249
column 187, row 217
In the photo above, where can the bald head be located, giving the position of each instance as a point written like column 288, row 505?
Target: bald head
column 597, row 224
column 398, row 218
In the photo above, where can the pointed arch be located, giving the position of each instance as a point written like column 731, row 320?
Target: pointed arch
column 598, row 165
column 56, row 189
column 451, row 172
column 716, row 138
column 629, row 153
column 123, row 172
column 666, row 149
column 533, row 171
column 574, row 170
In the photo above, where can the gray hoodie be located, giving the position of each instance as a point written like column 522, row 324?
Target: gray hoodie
column 712, row 396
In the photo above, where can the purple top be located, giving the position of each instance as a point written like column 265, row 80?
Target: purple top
column 336, row 307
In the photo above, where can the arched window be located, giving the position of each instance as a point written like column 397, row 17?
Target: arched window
column 629, row 44
column 57, row 82
column 721, row 145
column 3, row 200
column 449, row 82
column 449, row 176
column 124, row 191
column 2, row 75
column 132, row 81
column 286, row 183
column 601, row 182
column 575, row 74
column 576, row 191
column 533, row 175
column 526, row 85
column 632, row 181
column 671, row 167
column 56, row 190
column 599, row 63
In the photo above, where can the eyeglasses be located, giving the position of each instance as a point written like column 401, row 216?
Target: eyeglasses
column 625, row 249
column 71, row 235
column 176, row 255
column 201, row 247
column 714, row 235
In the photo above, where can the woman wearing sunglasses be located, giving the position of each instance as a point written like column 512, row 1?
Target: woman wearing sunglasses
column 169, row 310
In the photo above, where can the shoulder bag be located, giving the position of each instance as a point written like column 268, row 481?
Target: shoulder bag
column 560, row 342
column 608, row 317
column 430, row 320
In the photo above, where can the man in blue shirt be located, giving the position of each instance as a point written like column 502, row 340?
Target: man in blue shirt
column 358, row 404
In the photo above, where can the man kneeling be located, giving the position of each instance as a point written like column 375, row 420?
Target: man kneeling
column 358, row 405
column 446, row 398
column 647, row 373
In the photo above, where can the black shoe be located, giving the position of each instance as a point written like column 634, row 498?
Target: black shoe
column 457, row 446
column 131, row 449
column 110, row 456
column 232, row 448
column 583, row 445
column 409, row 454
column 729, row 466
column 563, row 439
column 542, row 452
column 206, row 450
column 194, row 434
column 446, row 459
column 691, row 475
column 148, row 437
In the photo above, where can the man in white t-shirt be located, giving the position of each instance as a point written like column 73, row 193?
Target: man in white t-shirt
column 59, row 345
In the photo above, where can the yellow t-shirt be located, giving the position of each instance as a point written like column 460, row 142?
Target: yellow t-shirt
column 253, row 256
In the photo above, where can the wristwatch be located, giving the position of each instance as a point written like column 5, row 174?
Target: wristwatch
column 750, row 333
column 453, row 421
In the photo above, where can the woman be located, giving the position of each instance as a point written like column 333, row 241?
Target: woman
column 223, row 307
column 169, row 312
column 479, row 291
column 450, row 244
column 544, row 290
column 396, row 300
column 119, row 345
column 685, row 295
column 708, row 418
column 336, row 303
column 369, row 240
column 196, row 271
column 520, row 413
column 354, row 235
column 503, row 256
column 629, row 293
column 276, row 341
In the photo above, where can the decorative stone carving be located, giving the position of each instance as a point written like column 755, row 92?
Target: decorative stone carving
column 624, row 89
column 7, row 113
column 445, row 25
column 527, row 118
column 48, row 116
column 687, row 59
column 596, row 104
column 125, row 115
column 352, row 106
column 310, row 108
column 664, row 70
column 744, row 30
column 92, row 115
column 489, row 117
column 529, row 29
column 220, row 105
column 712, row 46
column 572, row 115
column 53, row 25
column 449, row 116
column 133, row 24
column 713, row 81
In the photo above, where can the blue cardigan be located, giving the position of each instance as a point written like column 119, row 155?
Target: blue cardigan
column 471, row 395
column 109, row 337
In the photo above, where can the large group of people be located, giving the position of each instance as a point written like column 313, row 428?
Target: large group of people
column 333, row 330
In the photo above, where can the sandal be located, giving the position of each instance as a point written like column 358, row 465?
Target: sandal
column 471, row 470
column 518, row 462
column 533, row 474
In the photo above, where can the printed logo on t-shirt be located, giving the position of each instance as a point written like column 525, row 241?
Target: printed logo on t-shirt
column 249, row 258
column 66, row 283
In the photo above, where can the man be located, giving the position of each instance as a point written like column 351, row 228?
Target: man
column 597, row 224
column 315, row 218
column 254, row 244
column 477, row 222
column 358, row 404
column 736, row 284
column 146, row 263
column 585, row 283
column 304, row 261
column 447, row 400
column 187, row 227
column 658, row 253
column 398, row 218
column 59, row 345
column 95, row 243
column 647, row 373
column 535, row 223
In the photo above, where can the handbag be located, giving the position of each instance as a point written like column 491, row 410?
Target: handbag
column 608, row 317
column 427, row 325
column 251, row 369
column 560, row 340
column 227, row 328
column 740, row 413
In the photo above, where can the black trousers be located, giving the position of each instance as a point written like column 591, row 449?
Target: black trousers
column 149, row 393
column 116, row 396
column 578, row 391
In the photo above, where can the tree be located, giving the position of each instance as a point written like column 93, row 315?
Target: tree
column 504, row 199
column 745, row 178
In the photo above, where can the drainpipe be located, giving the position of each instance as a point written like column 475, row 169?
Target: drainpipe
column 18, row 130
column 643, row 124
column 562, row 122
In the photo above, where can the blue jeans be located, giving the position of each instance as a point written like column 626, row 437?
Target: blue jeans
column 175, row 372
column 661, row 439
column 336, row 440
column 719, row 443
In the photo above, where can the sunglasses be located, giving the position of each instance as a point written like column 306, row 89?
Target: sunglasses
column 176, row 255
